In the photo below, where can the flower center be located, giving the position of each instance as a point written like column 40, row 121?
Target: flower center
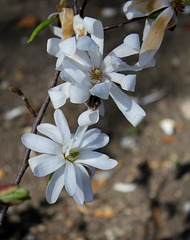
column 72, row 156
column 95, row 74
column 179, row 5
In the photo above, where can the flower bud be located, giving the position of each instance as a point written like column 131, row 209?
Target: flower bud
column 12, row 194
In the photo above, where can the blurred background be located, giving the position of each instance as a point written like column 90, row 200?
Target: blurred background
column 147, row 196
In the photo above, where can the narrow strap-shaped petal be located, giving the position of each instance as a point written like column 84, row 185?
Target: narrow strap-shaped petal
column 79, row 193
column 79, row 94
column 101, row 90
column 68, row 46
column 55, row 185
column 155, row 35
column 96, row 159
column 56, row 30
column 95, row 28
column 45, row 164
column 59, row 94
column 78, row 26
column 88, row 117
column 40, row 144
column 53, row 46
column 130, row 109
column 50, row 131
column 62, row 125
column 70, row 178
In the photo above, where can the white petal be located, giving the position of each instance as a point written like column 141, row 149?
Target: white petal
column 96, row 159
column 127, row 82
column 55, row 185
column 68, row 46
column 59, row 63
column 50, row 131
column 130, row 109
column 155, row 35
column 79, row 194
column 62, row 125
column 78, row 94
column 101, row 109
column 88, row 117
column 78, row 26
column 59, row 94
column 85, row 43
column 133, row 42
column 86, row 184
column 40, row 144
column 95, row 28
column 53, row 46
column 93, row 140
column 45, row 164
column 70, row 178
column 101, row 90
column 56, row 30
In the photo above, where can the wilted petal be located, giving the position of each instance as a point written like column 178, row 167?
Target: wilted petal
column 88, row 117
column 141, row 8
column 59, row 94
column 40, row 144
column 70, row 178
column 130, row 109
column 101, row 90
column 62, row 125
column 50, row 131
column 53, row 46
column 45, row 164
column 96, row 159
column 78, row 26
column 155, row 35
column 55, row 185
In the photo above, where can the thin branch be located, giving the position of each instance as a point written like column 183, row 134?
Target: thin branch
column 24, row 164
column 82, row 8
column 28, row 106
column 123, row 23
column 75, row 7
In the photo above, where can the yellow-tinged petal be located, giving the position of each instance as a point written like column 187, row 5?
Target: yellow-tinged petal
column 155, row 35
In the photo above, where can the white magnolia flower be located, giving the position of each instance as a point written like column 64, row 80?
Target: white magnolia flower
column 154, row 29
column 87, row 74
column 66, row 157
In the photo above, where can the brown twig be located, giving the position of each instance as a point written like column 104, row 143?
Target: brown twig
column 122, row 23
column 27, row 104
column 81, row 13
column 24, row 164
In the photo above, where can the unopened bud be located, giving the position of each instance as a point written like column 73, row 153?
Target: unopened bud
column 12, row 194
column 16, row 91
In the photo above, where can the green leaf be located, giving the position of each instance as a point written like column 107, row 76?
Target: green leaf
column 40, row 27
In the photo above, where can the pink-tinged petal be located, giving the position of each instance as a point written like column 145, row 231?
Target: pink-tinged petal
column 59, row 94
column 53, row 46
column 70, row 178
column 78, row 94
column 127, row 82
column 88, row 117
column 79, row 193
column 62, row 125
column 50, row 131
column 130, row 109
column 86, row 184
column 155, row 35
column 68, row 46
column 95, row 28
column 40, row 144
column 101, row 90
column 45, row 164
column 96, row 159
column 55, row 186
column 141, row 8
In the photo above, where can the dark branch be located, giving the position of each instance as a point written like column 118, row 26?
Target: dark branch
column 82, row 8
column 27, row 104
column 75, row 7
column 24, row 164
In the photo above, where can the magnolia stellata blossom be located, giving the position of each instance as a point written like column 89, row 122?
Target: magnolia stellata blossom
column 66, row 156
column 154, row 28
column 87, row 74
